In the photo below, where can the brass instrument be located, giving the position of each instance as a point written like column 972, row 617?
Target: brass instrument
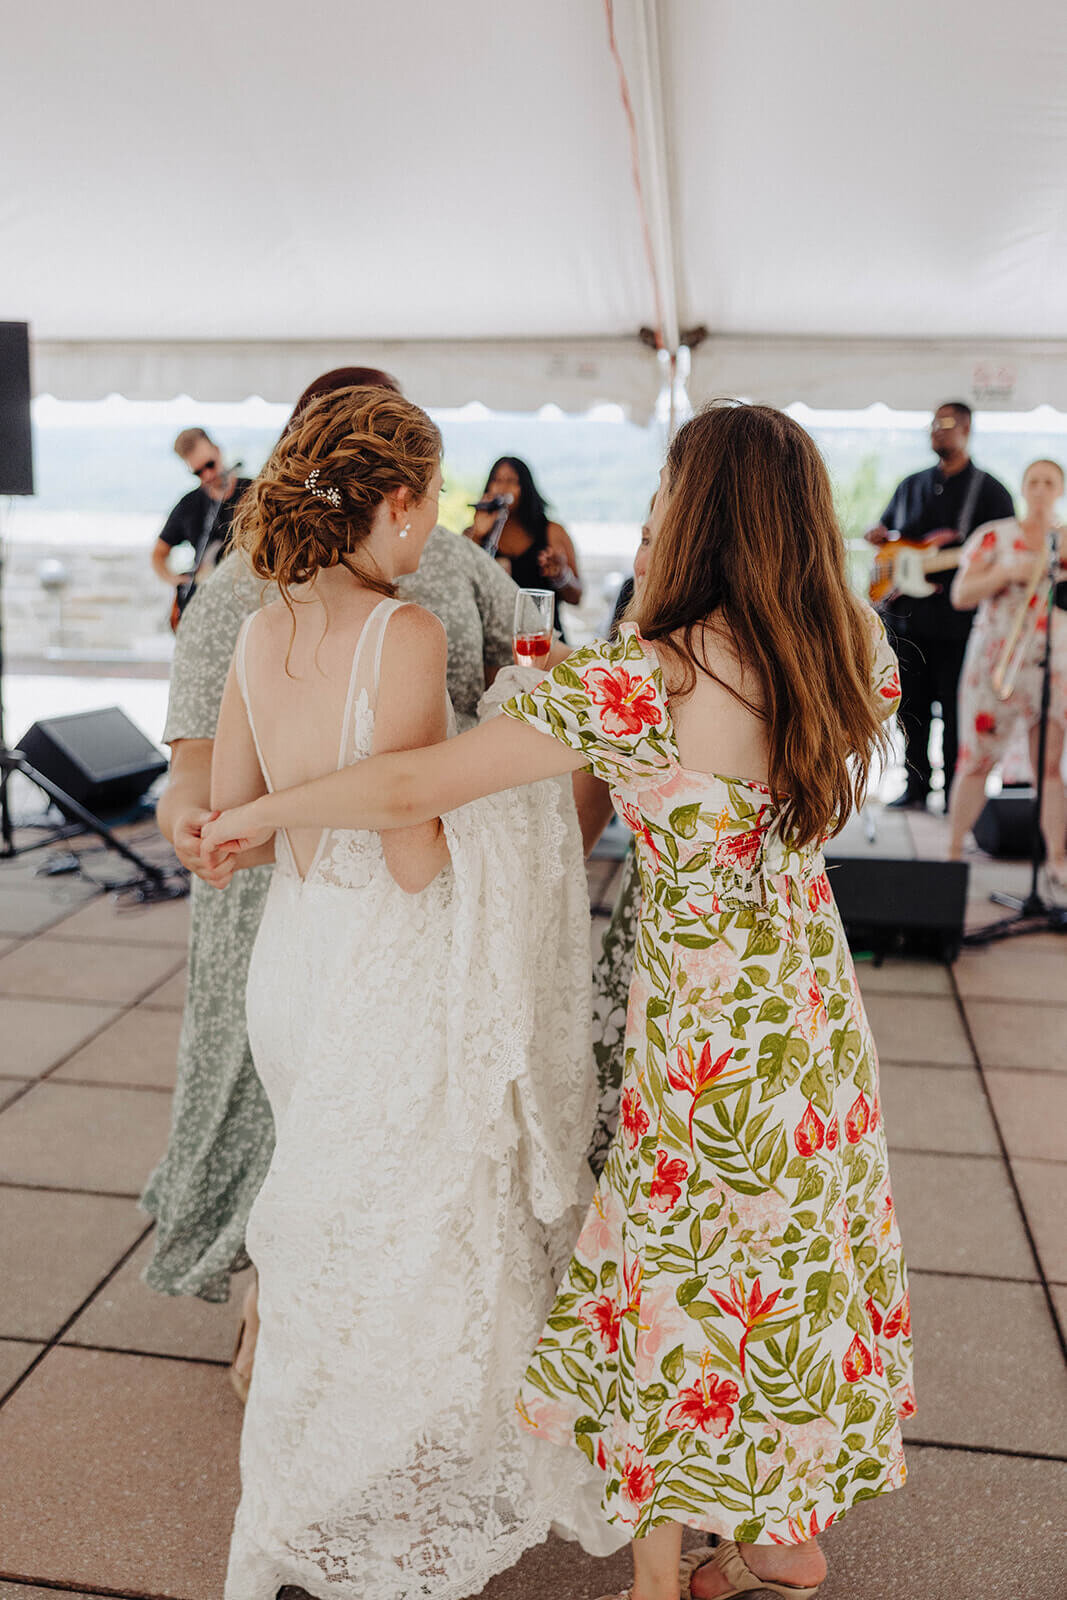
column 1023, row 632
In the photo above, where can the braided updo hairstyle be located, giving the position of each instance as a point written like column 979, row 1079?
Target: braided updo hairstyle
column 354, row 446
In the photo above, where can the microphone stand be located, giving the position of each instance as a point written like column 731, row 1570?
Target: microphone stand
column 492, row 538
column 1031, row 913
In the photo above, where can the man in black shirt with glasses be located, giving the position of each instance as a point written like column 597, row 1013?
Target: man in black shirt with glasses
column 202, row 518
column 942, row 505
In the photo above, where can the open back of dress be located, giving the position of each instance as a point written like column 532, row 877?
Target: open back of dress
column 336, row 856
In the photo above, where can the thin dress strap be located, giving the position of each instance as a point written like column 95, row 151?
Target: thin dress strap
column 371, row 634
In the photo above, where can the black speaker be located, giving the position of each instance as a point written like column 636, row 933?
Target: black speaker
column 890, row 899
column 100, row 758
column 16, row 452
column 1006, row 825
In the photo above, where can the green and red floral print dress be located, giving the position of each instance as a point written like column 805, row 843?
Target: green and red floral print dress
column 730, row 1346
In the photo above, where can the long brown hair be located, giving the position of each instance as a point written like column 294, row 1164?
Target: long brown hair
column 315, row 501
column 750, row 542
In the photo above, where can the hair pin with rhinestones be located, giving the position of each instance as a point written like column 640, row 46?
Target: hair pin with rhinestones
column 332, row 496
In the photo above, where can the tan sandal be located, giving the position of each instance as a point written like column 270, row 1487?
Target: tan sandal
column 699, row 1556
column 733, row 1566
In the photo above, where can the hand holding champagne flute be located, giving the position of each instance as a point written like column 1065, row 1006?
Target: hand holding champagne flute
column 532, row 632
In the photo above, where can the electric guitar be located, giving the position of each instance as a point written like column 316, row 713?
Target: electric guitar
column 902, row 566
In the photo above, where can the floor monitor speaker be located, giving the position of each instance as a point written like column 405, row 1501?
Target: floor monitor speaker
column 100, row 758
column 1006, row 825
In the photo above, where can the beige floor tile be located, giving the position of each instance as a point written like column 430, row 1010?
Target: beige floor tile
column 959, row 1214
column 898, row 975
column 15, row 1356
column 54, row 1250
column 1026, row 969
column 1031, row 1108
column 980, row 912
column 19, row 1591
column 141, row 1047
column 935, row 1108
column 49, row 968
column 170, row 996
column 959, row 1515
column 129, row 1316
column 918, row 1028
column 1043, row 1186
column 27, row 906
column 11, row 1088
column 35, row 1034
column 6, row 945
column 559, row 1570
column 165, row 922
column 74, row 1137
column 988, row 1366
column 124, row 1474
column 1008, row 1034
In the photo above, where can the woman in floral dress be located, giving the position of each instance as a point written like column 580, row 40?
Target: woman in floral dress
column 730, row 1346
column 996, row 566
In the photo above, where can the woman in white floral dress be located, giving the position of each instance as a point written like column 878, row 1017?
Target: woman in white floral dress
column 730, row 1347
column 996, row 566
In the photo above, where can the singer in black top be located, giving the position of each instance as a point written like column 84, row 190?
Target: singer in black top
column 538, row 553
column 202, row 518
column 953, row 497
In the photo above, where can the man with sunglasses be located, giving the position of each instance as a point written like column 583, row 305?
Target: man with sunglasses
column 202, row 518
column 941, row 505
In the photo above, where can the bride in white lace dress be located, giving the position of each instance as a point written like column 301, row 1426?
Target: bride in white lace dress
column 431, row 1089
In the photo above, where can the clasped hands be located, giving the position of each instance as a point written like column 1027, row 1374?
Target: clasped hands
column 210, row 843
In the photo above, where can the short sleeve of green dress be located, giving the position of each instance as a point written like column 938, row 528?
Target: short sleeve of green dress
column 222, row 1132
column 604, row 703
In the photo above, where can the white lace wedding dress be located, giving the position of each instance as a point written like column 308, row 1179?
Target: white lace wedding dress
column 428, row 1062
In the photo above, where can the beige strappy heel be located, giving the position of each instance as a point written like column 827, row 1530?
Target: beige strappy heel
column 733, row 1566
column 690, row 1560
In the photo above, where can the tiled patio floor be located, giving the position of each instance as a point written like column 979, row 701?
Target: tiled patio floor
column 118, row 1429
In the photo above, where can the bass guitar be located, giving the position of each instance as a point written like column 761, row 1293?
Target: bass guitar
column 903, row 566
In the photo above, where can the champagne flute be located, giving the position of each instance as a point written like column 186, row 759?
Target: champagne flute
column 535, row 612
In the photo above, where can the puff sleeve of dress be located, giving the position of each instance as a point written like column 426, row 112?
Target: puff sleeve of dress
column 885, row 672
column 607, row 703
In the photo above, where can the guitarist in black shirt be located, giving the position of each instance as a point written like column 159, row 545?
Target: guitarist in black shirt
column 202, row 518
column 940, row 506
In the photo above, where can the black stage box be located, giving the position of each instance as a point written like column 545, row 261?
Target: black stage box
column 1005, row 827
column 16, row 454
column 100, row 758
column 888, row 898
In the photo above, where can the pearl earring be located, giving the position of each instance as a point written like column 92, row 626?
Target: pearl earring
column 404, row 530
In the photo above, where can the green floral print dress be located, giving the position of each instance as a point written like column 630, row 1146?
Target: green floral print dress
column 730, row 1346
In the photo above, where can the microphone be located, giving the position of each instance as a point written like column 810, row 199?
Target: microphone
column 497, row 502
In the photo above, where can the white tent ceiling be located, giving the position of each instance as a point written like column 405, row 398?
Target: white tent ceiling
column 860, row 202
